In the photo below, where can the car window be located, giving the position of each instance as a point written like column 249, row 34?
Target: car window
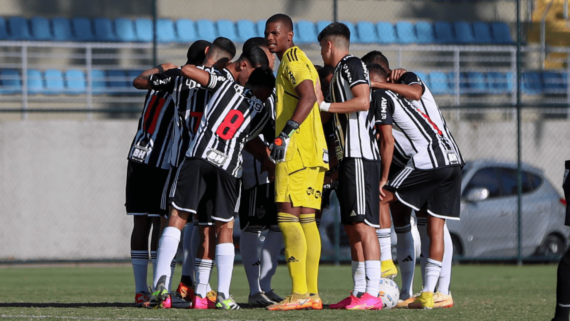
column 508, row 177
column 535, row 180
column 485, row 178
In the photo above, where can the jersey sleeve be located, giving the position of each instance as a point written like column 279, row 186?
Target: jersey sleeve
column 383, row 108
column 355, row 72
column 296, row 72
column 410, row 78
column 259, row 122
column 165, row 80
column 216, row 81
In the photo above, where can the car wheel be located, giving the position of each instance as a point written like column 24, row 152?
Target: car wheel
column 552, row 245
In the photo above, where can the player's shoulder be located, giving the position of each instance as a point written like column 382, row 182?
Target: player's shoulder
column 350, row 60
column 411, row 78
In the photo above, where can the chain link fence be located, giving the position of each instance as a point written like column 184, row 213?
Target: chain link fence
column 68, row 111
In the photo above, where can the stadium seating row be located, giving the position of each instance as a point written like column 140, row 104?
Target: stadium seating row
column 74, row 81
column 184, row 30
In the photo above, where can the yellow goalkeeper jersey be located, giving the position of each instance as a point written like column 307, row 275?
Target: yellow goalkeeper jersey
column 307, row 147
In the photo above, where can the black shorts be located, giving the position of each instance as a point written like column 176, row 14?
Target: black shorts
column 439, row 190
column 257, row 207
column 566, row 187
column 144, row 189
column 358, row 194
column 168, row 192
column 199, row 182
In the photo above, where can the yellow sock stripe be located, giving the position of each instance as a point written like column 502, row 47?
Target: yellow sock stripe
column 287, row 218
column 307, row 218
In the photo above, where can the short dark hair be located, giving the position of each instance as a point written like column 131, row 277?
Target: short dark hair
column 256, row 56
column 335, row 29
column 226, row 45
column 254, row 42
column 378, row 70
column 262, row 77
column 197, row 52
column 376, row 57
column 283, row 18
column 325, row 71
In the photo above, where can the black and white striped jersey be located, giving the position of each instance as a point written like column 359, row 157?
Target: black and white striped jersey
column 429, row 107
column 419, row 137
column 354, row 132
column 152, row 142
column 232, row 117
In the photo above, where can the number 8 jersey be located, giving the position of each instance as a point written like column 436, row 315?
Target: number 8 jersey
column 232, row 117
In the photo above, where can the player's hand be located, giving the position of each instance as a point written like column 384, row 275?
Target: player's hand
column 329, row 183
column 281, row 142
column 382, row 184
column 268, row 166
column 396, row 74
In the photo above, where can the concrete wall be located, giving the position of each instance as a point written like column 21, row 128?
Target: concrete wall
column 62, row 182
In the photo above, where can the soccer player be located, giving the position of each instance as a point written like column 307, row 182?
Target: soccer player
column 146, row 172
column 301, row 157
column 212, row 168
column 359, row 167
column 410, row 86
column 563, row 274
column 431, row 181
column 258, row 211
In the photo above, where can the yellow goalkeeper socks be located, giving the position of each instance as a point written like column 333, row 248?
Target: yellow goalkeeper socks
column 295, row 250
column 313, row 251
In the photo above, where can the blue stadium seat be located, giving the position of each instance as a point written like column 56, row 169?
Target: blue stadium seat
column 353, row 34
column 386, row 33
column 206, row 30
column 41, row 29
column 443, row 32
column 99, row 83
column 463, row 32
column 423, row 76
column 261, row 28
column 499, row 82
column 125, row 30
column 424, row 31
column 406, row 33
column 501, row 33
column 143, row 29
column 53, row 82
column 186, row 30
column 165, row 31
column 35, row 81
column 3, row 32
column 439, row 83
column 452, row 81
column 305, row 32
column 117, row 81
column 367, row 32
column 82, row 29
column 75, row 82
column 531, row 83
column 322, row 24
column 246, row 30
column 226, row 28
column 10, row 81
column 482, row 32
column 104, row 30
column 61, row 29
column 18, row 29
column 554, row 82
column 476, row 83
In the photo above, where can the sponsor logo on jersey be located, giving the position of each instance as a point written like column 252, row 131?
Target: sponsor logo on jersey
column 216, row 157
column 310, row 191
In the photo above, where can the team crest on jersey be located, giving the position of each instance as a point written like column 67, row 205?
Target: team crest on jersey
column 318, row 194
column 310, row 191
column 260, row 212
column 216, row 157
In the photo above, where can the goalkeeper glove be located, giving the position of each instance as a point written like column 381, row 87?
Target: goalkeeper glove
column 281, row 142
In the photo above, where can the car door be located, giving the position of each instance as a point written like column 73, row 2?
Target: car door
column 489, row 224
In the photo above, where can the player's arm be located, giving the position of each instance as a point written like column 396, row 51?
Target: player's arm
column 142, row 81
column 406, row 84
column 198, row 75
column 257, row 148
column 386, row 153
column 355, row 75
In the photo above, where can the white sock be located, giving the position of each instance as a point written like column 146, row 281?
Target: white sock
column 445, row 275
column 433, row 269
column 225, row 254
column 406, row 260
column 153, row 261
column 250, row 259
column 424, row 238
column 167, row 248
column 172, row 268
column 372, row 277
column 358, row 277
column 385, row 240
column 269, row 256
column 188, row 258
column 139, row 260
column 203, row 271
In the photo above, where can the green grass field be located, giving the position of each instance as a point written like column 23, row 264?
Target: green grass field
column 481, row 292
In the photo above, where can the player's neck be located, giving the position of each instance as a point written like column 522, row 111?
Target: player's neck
column 232, row 67
column 337, row 56
column 280, row 54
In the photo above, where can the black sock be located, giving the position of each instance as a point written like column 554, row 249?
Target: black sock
column 563, row 289
column 187, row 280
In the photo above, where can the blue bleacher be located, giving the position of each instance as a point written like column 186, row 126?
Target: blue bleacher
column 386, row 33
column 246, row 30
column 463, row 32
column 367, row 32
column 226, row 28
column 165, row 31
column 3, row 32
column 261, row 28
column 206, row 30
column 353, row 34
column 61, row 29
column 406, row 33
column 18, row 29
column 99, row 83
column 54, row 84
column 143, row 29
column 476, row 83
column 132, row 74
column 104, row 30
column 186, row 30
column 554, row 82
column 531, row 83
column 322, row 24
column 117, row 81
column 75, row 82
column 40, row 28
column 10, row 81
column 501, row 33
column 125, row 30
column 499, row 82
column 35, row 82
column 443, row 32
column 82, row 30
column 423, row 76
column 439, row 83
column 424, row 32
column 305, row 32
column 482, row 32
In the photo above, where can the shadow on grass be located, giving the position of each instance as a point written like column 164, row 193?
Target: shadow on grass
column 88, row 305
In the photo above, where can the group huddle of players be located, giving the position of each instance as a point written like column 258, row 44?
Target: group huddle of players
column 219, row 137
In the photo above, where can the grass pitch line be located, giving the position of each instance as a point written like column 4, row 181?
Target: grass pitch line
column 4, row 316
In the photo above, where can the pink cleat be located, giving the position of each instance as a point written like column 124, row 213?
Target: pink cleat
column 366, row 302
column 344, row 303
column 202, row 304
